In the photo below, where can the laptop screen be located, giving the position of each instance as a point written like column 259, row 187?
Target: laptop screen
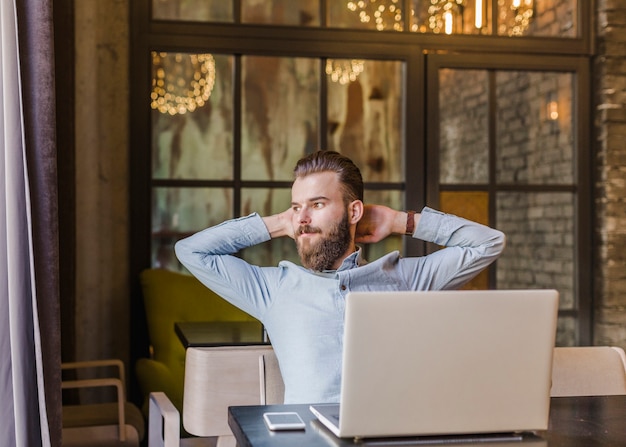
column 447, row 362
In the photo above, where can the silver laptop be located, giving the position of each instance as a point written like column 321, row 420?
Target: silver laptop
column 445, row 363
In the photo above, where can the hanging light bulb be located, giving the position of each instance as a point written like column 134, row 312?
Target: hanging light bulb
column 479, row 14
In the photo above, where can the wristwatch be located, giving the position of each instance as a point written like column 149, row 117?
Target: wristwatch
column 410, row 222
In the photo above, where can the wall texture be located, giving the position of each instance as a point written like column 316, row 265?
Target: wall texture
column 610, row 190
column 102, row 297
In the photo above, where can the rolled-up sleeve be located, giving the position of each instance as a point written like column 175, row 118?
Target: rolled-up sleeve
column 469, row 248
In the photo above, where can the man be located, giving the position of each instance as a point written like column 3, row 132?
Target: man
column 302, row 307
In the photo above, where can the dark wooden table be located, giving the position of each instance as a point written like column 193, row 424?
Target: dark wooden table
column 598, row 421
column 220, row 333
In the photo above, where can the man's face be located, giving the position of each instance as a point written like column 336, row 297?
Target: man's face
column 320, row 221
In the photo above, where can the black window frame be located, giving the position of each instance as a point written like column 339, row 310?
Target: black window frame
column 412, row 48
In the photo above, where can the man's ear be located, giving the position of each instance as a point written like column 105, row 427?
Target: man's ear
column 355, row 211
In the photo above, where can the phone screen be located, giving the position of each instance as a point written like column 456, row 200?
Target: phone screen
column 284, row 421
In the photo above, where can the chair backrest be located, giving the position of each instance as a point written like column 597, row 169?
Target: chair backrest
column 103, row 422
column 216, row 378
column 272, row 385
column 171, row 297
column 588, row 371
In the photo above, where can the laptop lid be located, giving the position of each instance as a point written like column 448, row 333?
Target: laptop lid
column 447, row 362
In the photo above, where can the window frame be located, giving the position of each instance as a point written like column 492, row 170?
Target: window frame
column 581, row 187
column 147, row 35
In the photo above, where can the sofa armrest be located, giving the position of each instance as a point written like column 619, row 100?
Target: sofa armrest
column 154, row 376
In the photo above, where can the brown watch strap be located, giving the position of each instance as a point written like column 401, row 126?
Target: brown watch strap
column 410, row 223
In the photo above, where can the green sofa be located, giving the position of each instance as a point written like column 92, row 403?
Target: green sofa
column 171, row 297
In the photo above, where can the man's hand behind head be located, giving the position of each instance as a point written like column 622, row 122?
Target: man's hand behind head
column 378, row 222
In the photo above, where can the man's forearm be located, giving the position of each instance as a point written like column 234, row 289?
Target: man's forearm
column 449, row 230
column 208, row 255
column 226, row 238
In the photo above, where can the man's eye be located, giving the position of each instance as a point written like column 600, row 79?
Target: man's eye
column 318, row 204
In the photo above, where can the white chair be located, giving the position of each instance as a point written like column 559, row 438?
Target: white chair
column 164, row 425
column 588, row 371
column 272, row 386
column 215, row 378
column 118, row 423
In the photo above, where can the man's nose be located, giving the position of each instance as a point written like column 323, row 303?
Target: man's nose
column 304, row 217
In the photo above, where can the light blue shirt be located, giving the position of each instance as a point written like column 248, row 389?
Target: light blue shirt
column 303, row 311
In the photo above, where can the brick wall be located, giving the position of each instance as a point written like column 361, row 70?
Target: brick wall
column 531, row 150
column 609, row 72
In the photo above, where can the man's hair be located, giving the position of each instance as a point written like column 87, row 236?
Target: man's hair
column 331, row 161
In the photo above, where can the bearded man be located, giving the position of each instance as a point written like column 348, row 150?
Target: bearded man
column 302, row 307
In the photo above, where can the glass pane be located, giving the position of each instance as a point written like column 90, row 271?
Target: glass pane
column 566, row 331
column 179, row 212
column 463, row 126
column 281, row 12
column 554, row 18
column 472, row 205
column 540, row 249
column 280, row 115
column 365, row 119
column 192, row 121
column 534, row 129
column 194, row 10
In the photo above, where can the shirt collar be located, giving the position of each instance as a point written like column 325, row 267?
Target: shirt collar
column 353, row 260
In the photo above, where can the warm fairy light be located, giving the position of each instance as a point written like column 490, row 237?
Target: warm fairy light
column 553, row 110
column 516, row 17
column 386, row 14
column 478, row 16
column 182, row 82
column 344, row 71
column 448, row 22
column 445, row 15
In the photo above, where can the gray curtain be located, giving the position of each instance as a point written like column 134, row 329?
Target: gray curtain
column 29, row 298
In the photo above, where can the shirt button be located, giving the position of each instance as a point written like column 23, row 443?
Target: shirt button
column 343, row 287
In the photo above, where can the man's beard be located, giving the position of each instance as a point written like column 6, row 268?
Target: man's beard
column 323, row 254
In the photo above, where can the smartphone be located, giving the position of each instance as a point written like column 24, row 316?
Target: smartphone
column 283, row 421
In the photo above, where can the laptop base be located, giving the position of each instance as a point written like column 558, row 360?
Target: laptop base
column 456, row 440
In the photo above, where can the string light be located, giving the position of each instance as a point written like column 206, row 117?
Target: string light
column 515, row 19
column 445, row 15
column 344, row 71
column 384, row 14
column 182, row 82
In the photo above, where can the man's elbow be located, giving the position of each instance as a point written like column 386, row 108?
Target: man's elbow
column 499, row 242
column 182, row 250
